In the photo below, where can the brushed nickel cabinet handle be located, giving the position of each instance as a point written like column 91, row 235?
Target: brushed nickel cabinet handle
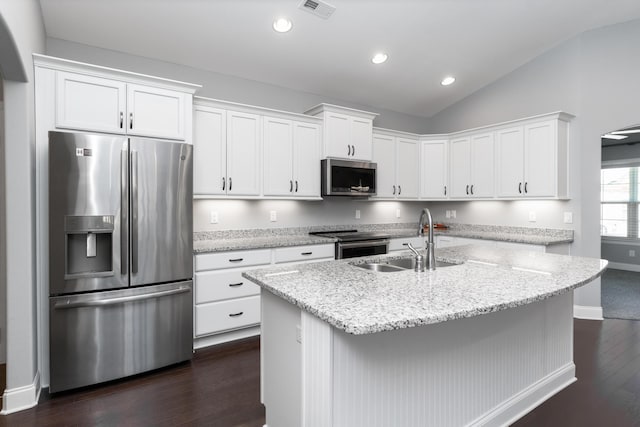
column 233, row 285
column 230, row 183
column 130, row 120
column 520, row 187
column 445, row 190
column 525, row 188
column 290, row 186
column 353, row 150
column 472, row 189
column 224, row 183
column 306, row 253
column 240, row 313
column 467, row 189
column 296, row 185
column 236, row 259
column 394, row 190
column 349, row 150
column 399, row 190
column 121, row 119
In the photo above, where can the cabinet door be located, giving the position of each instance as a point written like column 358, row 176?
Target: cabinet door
column 155, row 112
column 361, row 134
column 510, row 146
column 408, row 168
column 90, row 103
column 541, row 159
column 209, row 151
column 306, row 159
column 243, row 154
column 278, row 157
column 434, row 170
column 460, row 170
column 337, row 136
column 384, row 155
column 482, row 166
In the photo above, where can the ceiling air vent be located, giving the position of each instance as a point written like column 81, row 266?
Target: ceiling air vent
column 318, row 8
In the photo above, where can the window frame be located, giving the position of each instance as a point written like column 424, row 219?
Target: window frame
column 633, row 206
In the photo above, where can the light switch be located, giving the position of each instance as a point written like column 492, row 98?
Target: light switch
column 357, row 213
column 398, row 213
column 532, row 216
column 447, row 214
column 273, row 216
column 453, row 213
column 213, row 218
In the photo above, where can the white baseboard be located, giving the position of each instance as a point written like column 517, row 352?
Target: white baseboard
column 21, row 398
column 225, row 337
column 624, row 266
column 522, row 403
column 587, row 312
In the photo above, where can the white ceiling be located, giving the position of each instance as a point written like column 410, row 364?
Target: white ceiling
column 478, row 41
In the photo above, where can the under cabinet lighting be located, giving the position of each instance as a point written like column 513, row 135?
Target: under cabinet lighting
column 379, row 58
column 282, row 25
column 612, row 136
column 447, row 81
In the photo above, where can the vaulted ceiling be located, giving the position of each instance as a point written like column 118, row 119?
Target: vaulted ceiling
column 477, row 41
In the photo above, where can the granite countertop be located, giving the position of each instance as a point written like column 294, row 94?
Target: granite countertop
column 360, row 301
column 234, row 240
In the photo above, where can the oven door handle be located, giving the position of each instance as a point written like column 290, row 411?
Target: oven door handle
column 363, row 243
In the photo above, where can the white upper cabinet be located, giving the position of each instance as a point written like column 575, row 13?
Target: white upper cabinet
column 86, row 102
column 307, row 139
column 434, row 169
column 155, row 112
column 472, row 166
column 532, row 158
column 243, row 154
column 99, row 104
column 398, row 165
column 347, row 132
column 209, row 150
column 291, row 158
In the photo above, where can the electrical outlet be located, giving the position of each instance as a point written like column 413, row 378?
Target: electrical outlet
column 357, row 213
column 213, row 218
column 398, row 213
column 447, row 214
column 632, row 252
column 273, row 216
column 453, row 213
column 532, row 216
column 568, row 217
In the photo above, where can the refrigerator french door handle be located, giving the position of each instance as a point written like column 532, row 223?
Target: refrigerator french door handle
column 124, row 213
column 134, row 212
column 121, row 300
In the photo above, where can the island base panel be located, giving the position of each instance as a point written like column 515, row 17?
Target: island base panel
column 486, row 370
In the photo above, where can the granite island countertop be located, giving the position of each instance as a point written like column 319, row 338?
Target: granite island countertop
column 233, row 240
column 360, row 301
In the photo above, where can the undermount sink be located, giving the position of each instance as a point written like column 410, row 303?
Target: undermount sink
column 395, row 265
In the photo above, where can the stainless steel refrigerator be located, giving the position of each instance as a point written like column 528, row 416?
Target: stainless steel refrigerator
column 120, row 257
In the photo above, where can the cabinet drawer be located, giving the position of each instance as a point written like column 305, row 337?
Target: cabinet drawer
column 304, row 253
column 221, row 285
column 401, row 244
column 232, row 259
column 225, row 315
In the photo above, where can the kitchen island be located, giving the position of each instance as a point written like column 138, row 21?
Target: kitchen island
column 478, row 343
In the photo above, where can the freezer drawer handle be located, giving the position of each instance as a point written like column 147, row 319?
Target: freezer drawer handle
column 236, row 259
column 120, row 300
column 240, row 313
column 236, row 284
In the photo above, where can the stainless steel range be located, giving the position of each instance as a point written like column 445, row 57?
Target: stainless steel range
column 354, row 243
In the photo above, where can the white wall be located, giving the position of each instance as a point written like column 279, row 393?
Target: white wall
column 225, row 87
column 23, row 21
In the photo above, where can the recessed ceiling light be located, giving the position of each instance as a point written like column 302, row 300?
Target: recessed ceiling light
column 282, row 25
column 611, row 136
column 447, row 81
column 379, row 58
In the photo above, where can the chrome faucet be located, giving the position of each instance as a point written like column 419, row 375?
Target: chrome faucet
column 431, row 255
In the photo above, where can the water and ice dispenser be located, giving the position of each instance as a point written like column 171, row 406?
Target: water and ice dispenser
column 88, row 246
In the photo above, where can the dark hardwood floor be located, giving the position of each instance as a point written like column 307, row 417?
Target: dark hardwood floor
column 221, row 387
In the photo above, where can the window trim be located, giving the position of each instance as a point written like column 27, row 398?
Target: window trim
column 632, row 216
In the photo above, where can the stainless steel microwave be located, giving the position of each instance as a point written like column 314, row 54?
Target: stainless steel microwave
column 348, row 178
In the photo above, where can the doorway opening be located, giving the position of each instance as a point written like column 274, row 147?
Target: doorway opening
column 620, row 223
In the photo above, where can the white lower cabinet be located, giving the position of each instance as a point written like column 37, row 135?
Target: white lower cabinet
column 227, row 306
column 401, row 244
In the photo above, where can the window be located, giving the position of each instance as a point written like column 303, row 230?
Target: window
column 619, row 202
